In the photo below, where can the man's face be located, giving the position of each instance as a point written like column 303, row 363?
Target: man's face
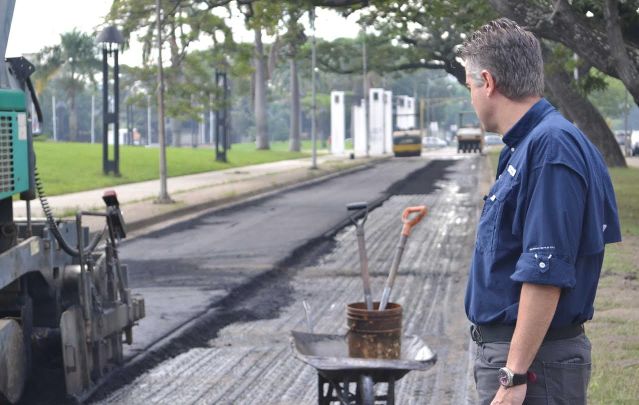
column 480, row 100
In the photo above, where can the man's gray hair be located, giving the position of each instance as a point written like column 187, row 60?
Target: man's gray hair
column 510, row 53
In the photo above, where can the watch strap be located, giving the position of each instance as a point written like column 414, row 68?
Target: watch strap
column 519, row 379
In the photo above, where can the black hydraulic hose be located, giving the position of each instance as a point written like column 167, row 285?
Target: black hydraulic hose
column 53, row 227
column 34, row 99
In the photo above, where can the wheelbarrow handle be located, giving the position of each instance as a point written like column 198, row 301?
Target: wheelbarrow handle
column 410, row 222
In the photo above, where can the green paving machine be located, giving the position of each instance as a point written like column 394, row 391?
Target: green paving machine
column 58, row 283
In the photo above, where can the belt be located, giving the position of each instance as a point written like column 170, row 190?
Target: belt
column 504, row 333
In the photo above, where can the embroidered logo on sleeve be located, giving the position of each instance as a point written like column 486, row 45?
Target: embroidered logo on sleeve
column 604, row 228
column 511, row 170
column 532, row 249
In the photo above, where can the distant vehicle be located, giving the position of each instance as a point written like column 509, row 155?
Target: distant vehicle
column 493, row 140
column 433, row 142
column 407, row 143
column 470, row 136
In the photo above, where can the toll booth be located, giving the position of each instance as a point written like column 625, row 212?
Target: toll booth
column 376, row 121
column 388, row 121
column 338, row 122
column 406, row 117
column 358, row 120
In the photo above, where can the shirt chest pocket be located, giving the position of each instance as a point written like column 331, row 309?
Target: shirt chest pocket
column 490, row 220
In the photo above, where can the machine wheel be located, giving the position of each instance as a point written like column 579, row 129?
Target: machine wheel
column 74, row 352
column 12, row 361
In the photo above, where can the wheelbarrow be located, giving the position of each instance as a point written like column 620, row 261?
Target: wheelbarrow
column 348, row 380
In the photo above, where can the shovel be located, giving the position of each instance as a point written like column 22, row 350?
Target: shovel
column 361, row 244
column 409, row 223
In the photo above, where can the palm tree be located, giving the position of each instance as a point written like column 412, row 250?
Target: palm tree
column 73, row 62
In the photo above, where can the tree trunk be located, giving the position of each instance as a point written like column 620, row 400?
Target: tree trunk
column 579, row 109
column 294, row 132
column 628, row 73
column 261, row 135
column 176, row 124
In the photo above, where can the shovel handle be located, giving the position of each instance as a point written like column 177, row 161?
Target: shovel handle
column 409, row 222
column 362, row 205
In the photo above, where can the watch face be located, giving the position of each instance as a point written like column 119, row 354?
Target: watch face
column 504, row 378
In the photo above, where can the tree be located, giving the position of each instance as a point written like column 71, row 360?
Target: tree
column 185, row 21
column 608, row 40
column 293, row 39
column 73, row 62
column 260, row 15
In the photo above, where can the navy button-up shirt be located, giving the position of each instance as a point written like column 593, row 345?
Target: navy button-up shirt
column 545, row 221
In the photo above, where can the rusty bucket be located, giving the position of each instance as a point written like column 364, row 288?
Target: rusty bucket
column 374, row 334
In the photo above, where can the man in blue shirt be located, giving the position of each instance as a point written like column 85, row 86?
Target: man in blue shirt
column 541, row 235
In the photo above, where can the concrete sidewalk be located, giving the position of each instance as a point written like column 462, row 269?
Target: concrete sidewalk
column 193, row 193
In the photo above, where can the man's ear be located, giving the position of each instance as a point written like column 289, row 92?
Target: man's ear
column 489, row 82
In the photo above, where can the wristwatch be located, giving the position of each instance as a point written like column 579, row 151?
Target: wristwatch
column 509, row 379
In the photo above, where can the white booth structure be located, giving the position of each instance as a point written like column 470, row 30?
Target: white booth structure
column 388, row 121
column 406, row 118
column 380, row 123
column 358, row 120
column 376, row 117
column 338, row 122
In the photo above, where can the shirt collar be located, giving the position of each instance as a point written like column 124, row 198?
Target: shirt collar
column 527, row 122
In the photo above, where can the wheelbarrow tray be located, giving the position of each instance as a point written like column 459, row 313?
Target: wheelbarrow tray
column 329, row 355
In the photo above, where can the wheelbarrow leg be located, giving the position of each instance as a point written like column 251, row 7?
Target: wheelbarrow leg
column 366, row 388
column 390, row 393
column 323, row 399
column 329, row 391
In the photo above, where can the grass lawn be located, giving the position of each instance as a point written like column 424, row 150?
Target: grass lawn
column 67, row 167
column 614, row 330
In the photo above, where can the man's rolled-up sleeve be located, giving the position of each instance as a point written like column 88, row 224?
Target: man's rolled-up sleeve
column 552, row 226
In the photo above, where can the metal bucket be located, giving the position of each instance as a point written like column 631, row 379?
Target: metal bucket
column 374, row 334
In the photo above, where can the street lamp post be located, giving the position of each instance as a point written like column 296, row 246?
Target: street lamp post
column 111, row 39
column 314, row 107
column 148, row 119
column 163, row 198
column 428, row 106
column 365, row 89
column 221, row 117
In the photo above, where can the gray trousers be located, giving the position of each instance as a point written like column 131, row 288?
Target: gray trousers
column 562, row 368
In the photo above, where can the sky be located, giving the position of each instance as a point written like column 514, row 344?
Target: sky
column 39, row 23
